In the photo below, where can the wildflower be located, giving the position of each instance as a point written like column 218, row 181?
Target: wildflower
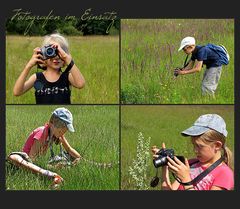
column 138, row 170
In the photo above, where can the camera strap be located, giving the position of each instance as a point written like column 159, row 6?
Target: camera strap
column 185, row 62
column 201, row 175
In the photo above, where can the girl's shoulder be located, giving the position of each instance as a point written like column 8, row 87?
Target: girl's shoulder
column 224, row 167
column 41, row 132
column 33, row 77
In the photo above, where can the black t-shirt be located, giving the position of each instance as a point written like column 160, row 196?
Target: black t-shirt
column 57, row 92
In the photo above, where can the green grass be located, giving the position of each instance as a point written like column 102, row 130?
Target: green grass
column 149, row 51
column 96, row 137
column 97, row 57
column 164, row 124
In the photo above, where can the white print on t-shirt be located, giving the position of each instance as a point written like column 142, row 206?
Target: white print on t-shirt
column 53, row 90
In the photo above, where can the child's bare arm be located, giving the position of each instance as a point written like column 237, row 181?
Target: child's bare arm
column 76, row 78
column 68, row 148
column 21, row 85
column 196, row 68
column 189, row 66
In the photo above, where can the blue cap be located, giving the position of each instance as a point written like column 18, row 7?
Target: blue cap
column 66, row 116
column 205, row 123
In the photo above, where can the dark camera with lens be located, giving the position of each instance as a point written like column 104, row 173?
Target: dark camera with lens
column 176, row 71
column 48, row 52
column 162, row 160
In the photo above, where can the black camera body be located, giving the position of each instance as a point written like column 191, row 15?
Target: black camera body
column 162, row 160
column 176, row 71
column 48, row 52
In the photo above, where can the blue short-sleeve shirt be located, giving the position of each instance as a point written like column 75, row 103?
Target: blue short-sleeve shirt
column 208, row 56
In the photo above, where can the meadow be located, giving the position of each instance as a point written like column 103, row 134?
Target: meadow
column 163, row 123
column 96, row 138
column 149, row 55
column 97, row 57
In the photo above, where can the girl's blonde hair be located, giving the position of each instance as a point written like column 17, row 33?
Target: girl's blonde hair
column 56, row 37
column 212, row 136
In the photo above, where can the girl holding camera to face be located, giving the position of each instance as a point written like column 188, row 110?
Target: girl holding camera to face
column 208, row 135
column 52, row 86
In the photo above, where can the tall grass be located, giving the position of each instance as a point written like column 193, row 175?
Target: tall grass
column 96, row 137
column 97, row 57
column 149, row 51
column 164, row 124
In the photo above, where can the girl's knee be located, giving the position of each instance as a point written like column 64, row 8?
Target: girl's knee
column 15, row 158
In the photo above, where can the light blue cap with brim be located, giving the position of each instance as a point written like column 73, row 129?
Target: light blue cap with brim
column 205, row 123
column 66, row 116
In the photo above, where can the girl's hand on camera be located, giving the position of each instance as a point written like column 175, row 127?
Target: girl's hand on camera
column 36, row 58
column 155, row 150
column 62, row 54
column 181, row 170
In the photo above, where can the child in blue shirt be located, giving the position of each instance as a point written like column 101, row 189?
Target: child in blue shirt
column 202, row 55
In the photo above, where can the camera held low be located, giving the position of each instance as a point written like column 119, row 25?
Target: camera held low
column 176, row 71
column 48, row 52
column 162, row 160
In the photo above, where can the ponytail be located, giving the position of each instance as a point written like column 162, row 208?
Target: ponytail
column 228, row 156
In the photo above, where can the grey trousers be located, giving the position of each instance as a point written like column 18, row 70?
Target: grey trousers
column 210, row 80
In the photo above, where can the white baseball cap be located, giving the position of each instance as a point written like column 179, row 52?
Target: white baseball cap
column 186, row 41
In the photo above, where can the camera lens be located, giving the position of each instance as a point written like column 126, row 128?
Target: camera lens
column 50, row 51
column 161, row 161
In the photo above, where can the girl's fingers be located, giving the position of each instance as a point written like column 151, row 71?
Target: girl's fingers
column 186, row 163
column 177, row 160
column 154, row 149
column 59, row 48
column 55, row 44
column 40, row 61
column 39, row 56
column 172, row 168
column 37, row 50
column 163, row 145
column 172, row 162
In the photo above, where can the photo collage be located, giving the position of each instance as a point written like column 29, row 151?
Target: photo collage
column 119, row 104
